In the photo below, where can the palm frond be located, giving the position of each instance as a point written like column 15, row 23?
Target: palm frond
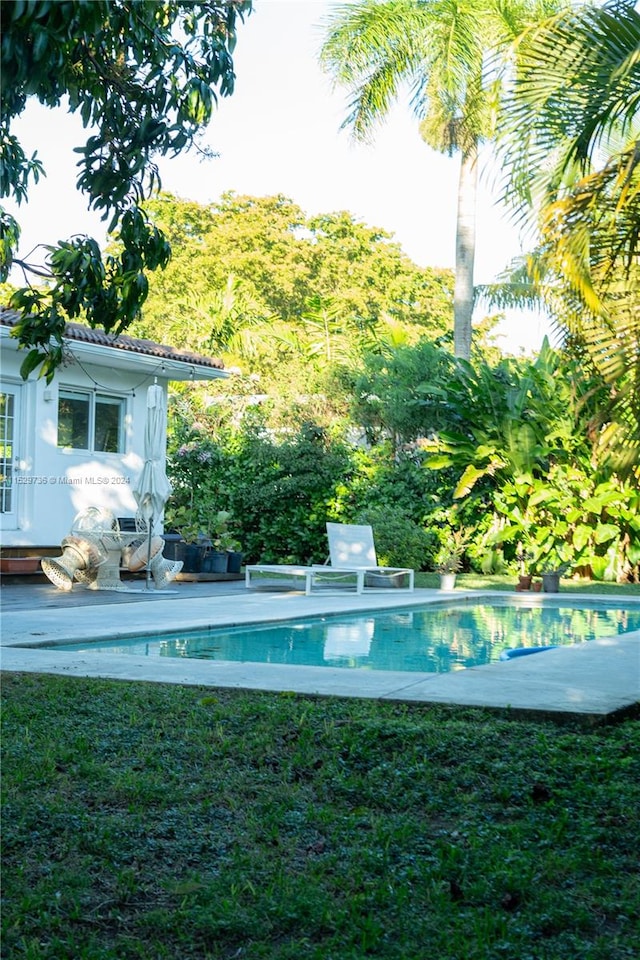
column 577, row 86
column 373, row 49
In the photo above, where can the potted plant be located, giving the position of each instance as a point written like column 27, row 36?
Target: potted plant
column 226, row 556
column 234, row 555
column 187, row 524
column 551, row 578
column 524, row 578
column 551, row 565
column 448, row 559
column 216, row 560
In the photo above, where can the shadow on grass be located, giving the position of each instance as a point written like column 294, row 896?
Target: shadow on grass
column 149, row 821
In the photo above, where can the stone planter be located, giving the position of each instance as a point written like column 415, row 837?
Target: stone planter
column 551, row 582
column 447, row 581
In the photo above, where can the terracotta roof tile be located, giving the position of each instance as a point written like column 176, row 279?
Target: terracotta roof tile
column 77, row 331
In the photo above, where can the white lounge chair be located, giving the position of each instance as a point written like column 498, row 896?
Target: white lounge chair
column 351, row 547
column 353, row 566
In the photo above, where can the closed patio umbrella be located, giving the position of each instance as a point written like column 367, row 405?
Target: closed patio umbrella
column 152, row 489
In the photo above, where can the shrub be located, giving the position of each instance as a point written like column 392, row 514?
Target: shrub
column 283, row 491
column 399, row 541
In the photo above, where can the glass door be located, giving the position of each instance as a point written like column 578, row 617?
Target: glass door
column 9, row 397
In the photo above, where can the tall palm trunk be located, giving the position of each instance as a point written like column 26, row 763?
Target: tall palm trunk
column 465, row 252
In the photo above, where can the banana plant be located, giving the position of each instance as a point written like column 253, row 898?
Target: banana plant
column 507, row 422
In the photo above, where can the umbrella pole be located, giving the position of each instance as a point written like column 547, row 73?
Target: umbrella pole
column 148, row 574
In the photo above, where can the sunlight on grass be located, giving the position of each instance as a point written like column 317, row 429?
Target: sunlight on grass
column 474, row 581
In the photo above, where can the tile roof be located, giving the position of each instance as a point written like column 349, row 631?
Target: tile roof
column 77, row 331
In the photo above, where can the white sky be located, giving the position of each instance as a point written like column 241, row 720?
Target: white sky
column 280, row 133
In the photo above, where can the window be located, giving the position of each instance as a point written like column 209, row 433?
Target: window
column 107, row 431
column 90, row 421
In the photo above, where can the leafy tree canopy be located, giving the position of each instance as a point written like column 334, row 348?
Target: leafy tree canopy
column 285, row 295
column 280, row 259
column 294, row 301
column 143, row 78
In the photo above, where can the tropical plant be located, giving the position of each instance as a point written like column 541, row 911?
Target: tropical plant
column 571, row 139
column 572, row 517
column 448, row 558
column 569, row 133
column 513, row 420
column 519, row 442
column 440, row 50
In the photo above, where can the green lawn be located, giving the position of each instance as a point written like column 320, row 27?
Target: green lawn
column 152, row 821
column 476, row 581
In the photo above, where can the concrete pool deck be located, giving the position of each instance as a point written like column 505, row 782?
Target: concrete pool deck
column 595, row 680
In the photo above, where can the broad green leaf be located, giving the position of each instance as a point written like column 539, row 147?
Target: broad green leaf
column 605, row 532
column 581, row 536
column 596, row 504
column 438, row 462
column 544, row 494
column 467, row 481
column 33, row 359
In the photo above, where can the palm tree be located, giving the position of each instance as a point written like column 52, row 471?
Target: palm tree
column 572, row 153
column 571, row 136
column 447, row 52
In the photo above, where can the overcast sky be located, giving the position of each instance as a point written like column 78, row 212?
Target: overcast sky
column 280, row 133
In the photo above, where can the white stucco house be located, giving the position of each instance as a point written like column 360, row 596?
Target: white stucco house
column 78, row 441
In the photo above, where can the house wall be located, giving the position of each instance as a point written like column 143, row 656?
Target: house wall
column 52, row 485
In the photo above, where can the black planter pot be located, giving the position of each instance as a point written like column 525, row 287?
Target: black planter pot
column 173, row 546
column 193, row 555
column 234, row 561
column 214, row 562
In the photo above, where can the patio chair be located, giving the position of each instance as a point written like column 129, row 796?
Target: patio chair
column 351, row 547
column 352, row 566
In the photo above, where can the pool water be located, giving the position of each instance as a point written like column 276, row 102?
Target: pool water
column 433, row 638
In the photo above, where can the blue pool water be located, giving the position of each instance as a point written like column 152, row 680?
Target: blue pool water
column 433, row 639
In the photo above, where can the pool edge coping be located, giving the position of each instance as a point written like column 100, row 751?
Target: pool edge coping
column 36, row 658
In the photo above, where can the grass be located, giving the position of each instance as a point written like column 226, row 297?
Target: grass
column 476, row 581
column 149, row 821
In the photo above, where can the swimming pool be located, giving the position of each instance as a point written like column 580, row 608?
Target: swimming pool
column 435, row 638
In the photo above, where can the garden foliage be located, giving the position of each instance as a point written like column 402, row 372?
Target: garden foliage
column 503, row 453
